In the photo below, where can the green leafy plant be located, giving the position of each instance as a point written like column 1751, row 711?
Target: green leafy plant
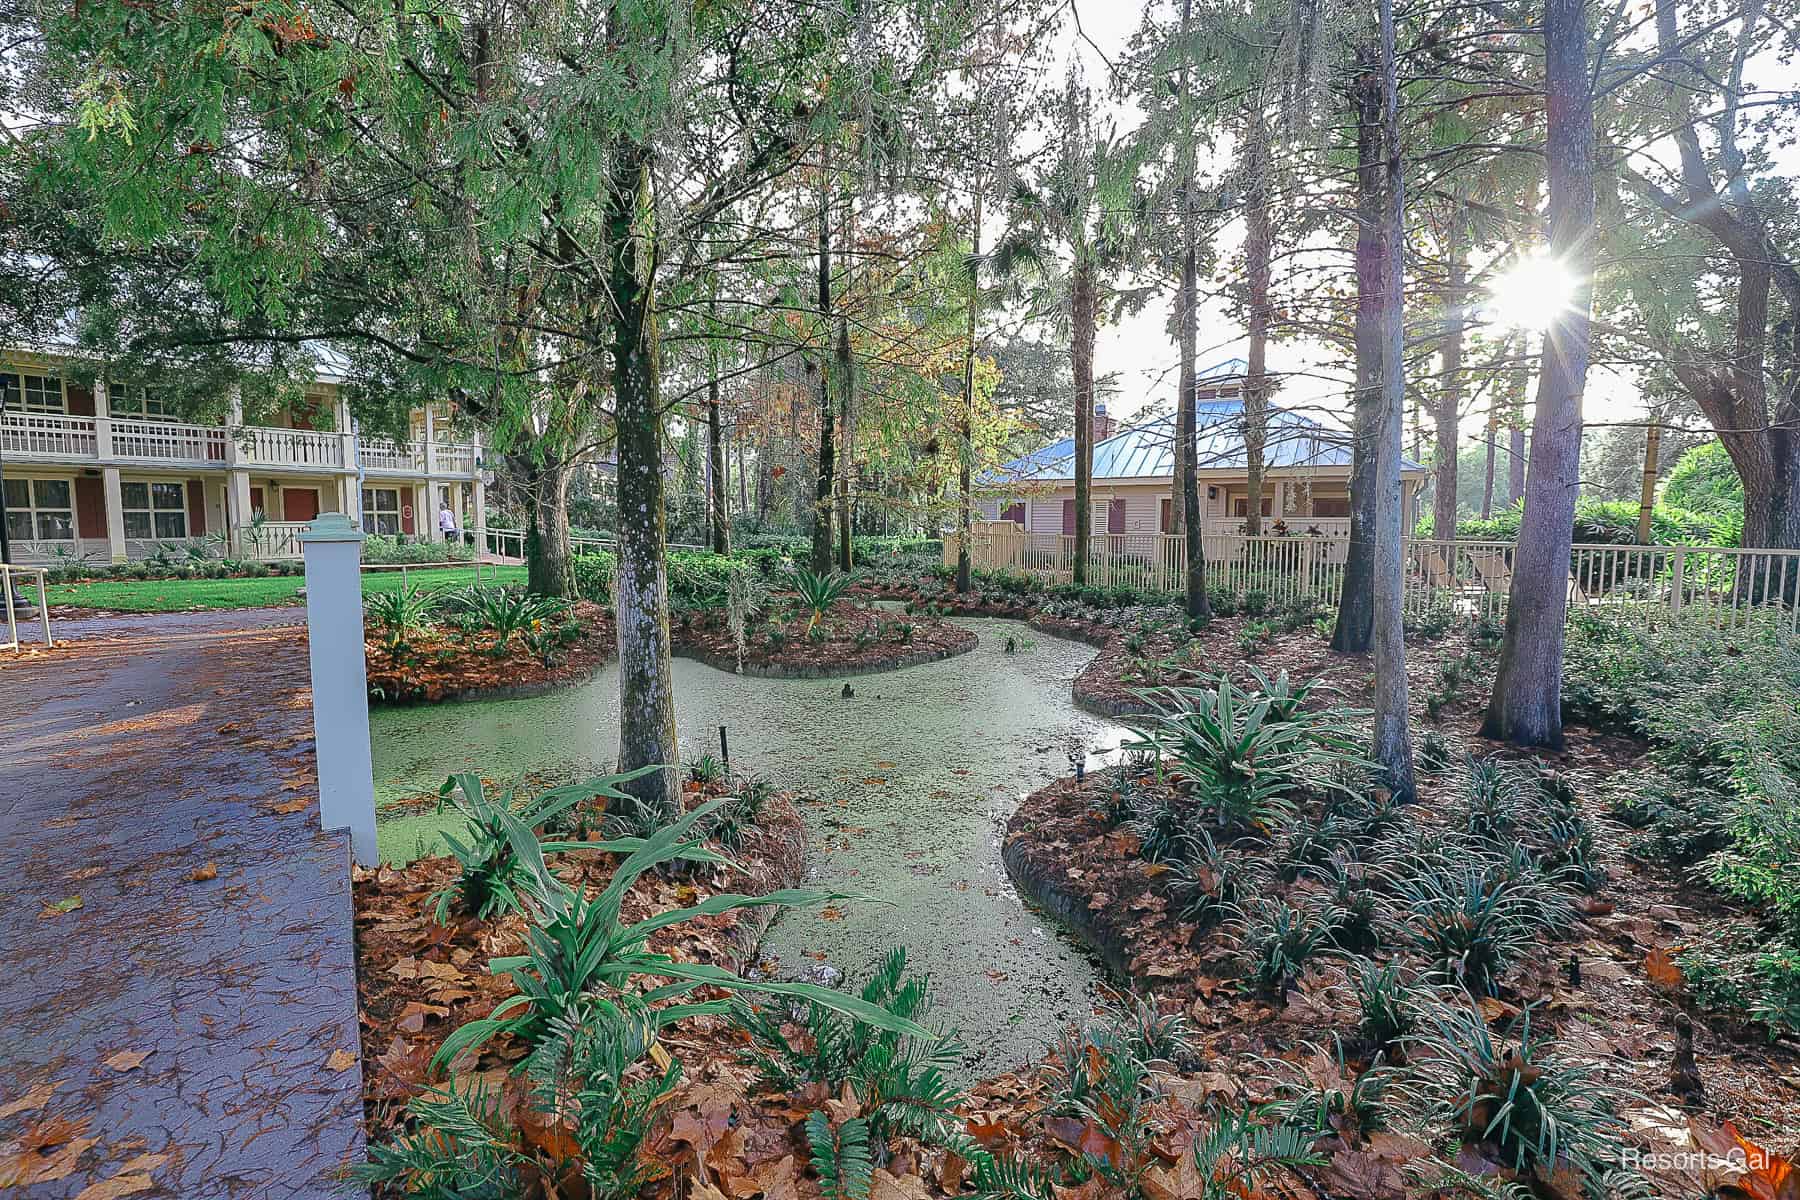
column 1386, row 1003
column 493, row 878
column 819, row 592
column 705, row 769
column 841, row 1156
column 1472, row 919
column 400, row 614
column 577, row 946
column 504, row 611
column 1276, row 940
column 1238, row 1149
column 900, row 1080
column 1207, row 885
column 1534, row 1109
column 1241, row 765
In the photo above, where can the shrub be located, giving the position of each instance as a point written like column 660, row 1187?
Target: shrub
column 1472, row 922
column 594, row 575
column 900, row 1079
column 399, row 614
column 1242, row 766
column 378, row 548
column 819, row 592
column 1276, row 941
column 1534, row 1109
column 1207, row 885
column 1386, row 1003
column 577, row 946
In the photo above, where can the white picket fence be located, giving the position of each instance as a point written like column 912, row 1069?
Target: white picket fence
column 1626, row 583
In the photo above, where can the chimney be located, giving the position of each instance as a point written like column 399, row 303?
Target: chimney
column 1103, row 424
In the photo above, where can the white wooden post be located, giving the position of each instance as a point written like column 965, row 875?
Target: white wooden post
column 340, row 684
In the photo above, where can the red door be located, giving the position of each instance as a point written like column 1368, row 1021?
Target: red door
column 299, row 504
column 1115, row 515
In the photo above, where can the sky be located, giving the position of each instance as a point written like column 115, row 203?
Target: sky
column 1144, row 359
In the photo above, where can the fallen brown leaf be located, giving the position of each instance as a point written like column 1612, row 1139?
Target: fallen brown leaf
column 202, row 874
column 37, row 1097
column 127, row 1060
column 118, row 1185
column 340, row 1060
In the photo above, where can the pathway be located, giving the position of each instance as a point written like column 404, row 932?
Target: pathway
column 193, row 1020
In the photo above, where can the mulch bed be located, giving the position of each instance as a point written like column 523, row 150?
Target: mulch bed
column 1061, row 851
column 859, row 640
column 419, row 980
column 441, row 664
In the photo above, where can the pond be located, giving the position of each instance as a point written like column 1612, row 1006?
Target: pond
column 908, row 785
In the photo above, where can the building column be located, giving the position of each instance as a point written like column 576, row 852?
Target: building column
column 480, row 522
column 115, row 512
column 238, row 515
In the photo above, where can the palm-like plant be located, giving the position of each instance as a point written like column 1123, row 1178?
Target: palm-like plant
column 1243, row 760
column 400, row 614
column 493, row 879
column 819, row 591
column 578, row 948
column 504, row 610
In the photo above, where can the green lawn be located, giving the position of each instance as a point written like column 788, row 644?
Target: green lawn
column 187, row 595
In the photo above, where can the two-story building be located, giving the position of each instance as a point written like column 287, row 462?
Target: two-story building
column 103, row 472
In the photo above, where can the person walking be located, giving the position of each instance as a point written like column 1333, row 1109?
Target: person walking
column 447, row 523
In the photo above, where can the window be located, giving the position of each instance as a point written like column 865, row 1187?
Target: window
column 135, row 400
column 381, row 511
column 1331, row 506
column 1014, row 512
column 155, row 510
column 24, row 392
column 40, row 509
column 1240, row 507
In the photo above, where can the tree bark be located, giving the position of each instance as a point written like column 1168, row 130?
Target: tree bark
column 1526, row 708
column 646, row 682
column 846, row 375
column 1199, row 605
column 1652, row 467
column 718, row 508
column 549, row 570
column 1356, row 606
column 1493, row 446
column 965, row 510
column 1450, row 388
column 1392, row 745
column 821, row 515
column 1082, row 322
column 1256, row 261
column 1515, row 457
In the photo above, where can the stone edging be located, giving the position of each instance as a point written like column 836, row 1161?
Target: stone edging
column 728, row 663
column 1070, row 910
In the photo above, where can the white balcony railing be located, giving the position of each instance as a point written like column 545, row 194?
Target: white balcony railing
column 167, row 441
column 385, row 454
column 289, row 447
column 44, row 435
column 55, row 437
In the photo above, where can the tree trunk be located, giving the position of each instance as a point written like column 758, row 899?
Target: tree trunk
column 1356, row 607
column 1515, row 458
column 1081, row 351
column 1193, row 525
column 965, row 509
column 821, row 516
column 1450, row 388
column 846, row 376
column 718, row 509
column 1256, row 262
column 646, row 683
column 548, row 567
column 1392, row 746
column 1652, row 467
column 1493, row 446
column 1527, row 704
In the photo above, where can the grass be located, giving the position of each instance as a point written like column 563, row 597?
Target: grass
column 191, row 595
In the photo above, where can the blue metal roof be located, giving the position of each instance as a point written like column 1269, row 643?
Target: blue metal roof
column 1147, row 451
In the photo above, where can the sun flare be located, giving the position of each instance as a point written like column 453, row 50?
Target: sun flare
column 1532, row 293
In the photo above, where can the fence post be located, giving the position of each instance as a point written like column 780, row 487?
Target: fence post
column 340, row 685
column 1677, row 579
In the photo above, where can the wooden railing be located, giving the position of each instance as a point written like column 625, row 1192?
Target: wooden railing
column 385, row 454
column 1470, row 578
column 46, row 435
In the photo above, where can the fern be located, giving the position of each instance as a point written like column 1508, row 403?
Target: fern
column 1235, row 1152
column 841, row 1157
column 457, row 1145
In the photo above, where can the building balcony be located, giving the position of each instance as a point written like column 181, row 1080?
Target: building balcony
column 121, row 441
